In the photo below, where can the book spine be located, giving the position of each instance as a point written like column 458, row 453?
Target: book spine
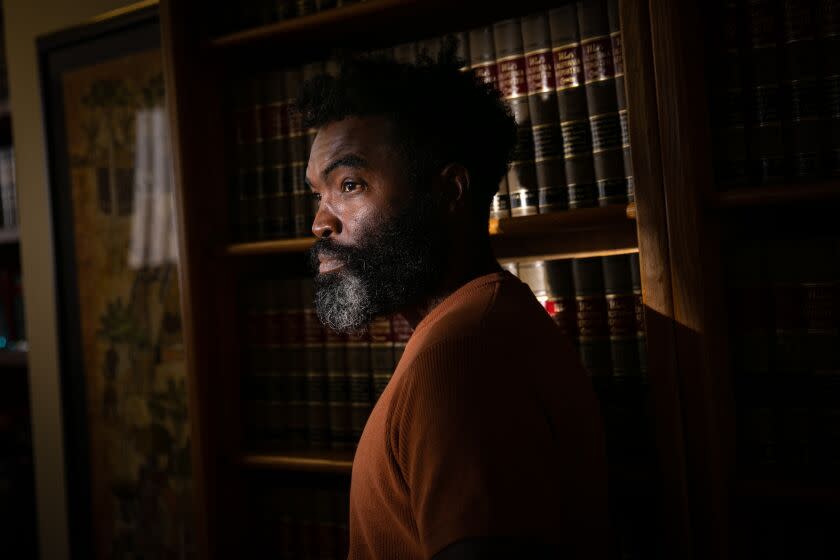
column 829, row 36
column 729, row 107
column 571, row 102
column 382, row 361
column 750, row 301
column 359, row 373
column 560, row 297
column 788, row 319
column 591, row 312
column 256, row 380
column 614, row 18
column 402, row 330
column 259, row 384
column 338, row 389
column 768, row 153
column 310, row 71
column 406, row 53
column 482, row 62
column 429, row 49
column 621, row 316
column 639, row 310
column 297, row 158
column 801, row 95
column 321, row 5
column 500, row 205
column 290, row 316
column 317, row 417
column 510, row 61
column 602, row 101
column 305, row 7
column 533, row 274
column 462, row 48
column 248, row 160
column 276, row 177
column 545, row 117
column 819, row 281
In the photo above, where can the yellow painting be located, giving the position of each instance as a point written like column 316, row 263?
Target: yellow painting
column 130, row 320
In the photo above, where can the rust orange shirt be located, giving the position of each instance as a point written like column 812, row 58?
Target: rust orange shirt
column 488, row 427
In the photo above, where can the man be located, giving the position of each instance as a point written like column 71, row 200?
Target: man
column 487, row 442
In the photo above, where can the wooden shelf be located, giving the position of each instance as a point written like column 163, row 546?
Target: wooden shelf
column 574, row 233
column 326, row 461
column 391, row 20
column 14, row 358
column 777, row 195
column 298, row 245
column 788, row 490
column 9, row 236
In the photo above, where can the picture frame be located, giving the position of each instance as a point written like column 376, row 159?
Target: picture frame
column 123, row 373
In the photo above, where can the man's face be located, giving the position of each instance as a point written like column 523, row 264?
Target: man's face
column 380, row 238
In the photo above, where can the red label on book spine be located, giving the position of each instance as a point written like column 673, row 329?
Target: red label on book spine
column 512, row 82
column 598, row 59
column 540, row 72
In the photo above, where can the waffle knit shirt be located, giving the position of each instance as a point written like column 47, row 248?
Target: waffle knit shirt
column 488, row 427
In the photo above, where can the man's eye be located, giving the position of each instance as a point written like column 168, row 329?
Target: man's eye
column 349, row 186
column 316, row 196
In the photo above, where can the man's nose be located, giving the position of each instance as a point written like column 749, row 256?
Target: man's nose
column 326, row 223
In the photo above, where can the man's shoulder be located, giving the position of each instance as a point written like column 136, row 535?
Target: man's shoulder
column 502, row 308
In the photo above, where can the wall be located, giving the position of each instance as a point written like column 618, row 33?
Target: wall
column 25, row 20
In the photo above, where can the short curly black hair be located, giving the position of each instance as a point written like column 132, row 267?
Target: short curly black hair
column 441, row 115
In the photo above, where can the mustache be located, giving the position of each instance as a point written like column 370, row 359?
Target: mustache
column 326, row 248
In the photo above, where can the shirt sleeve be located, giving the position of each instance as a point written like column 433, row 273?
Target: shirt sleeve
column 476, row 448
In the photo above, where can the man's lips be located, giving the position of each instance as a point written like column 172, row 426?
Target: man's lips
column 329, row 265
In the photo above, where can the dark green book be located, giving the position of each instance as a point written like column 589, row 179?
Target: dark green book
column 510, row 61
column 614, row 18
column 571, row 104
column 591, row 311
column 621, row 316
column 602, row 101
column 767, row 153
column 545, row 117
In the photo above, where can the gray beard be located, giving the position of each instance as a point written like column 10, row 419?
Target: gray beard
column 398, row 265
column 344, row 305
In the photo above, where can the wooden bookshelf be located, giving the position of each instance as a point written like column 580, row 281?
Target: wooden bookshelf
column 301, row 461
column 297, row 245
column 384, row 20
column 672, row 174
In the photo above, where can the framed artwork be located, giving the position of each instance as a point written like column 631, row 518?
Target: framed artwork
column 127, row 437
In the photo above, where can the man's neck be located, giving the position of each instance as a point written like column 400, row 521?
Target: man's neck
column 464, row 265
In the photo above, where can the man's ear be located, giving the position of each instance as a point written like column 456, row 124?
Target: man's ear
column 454, row 185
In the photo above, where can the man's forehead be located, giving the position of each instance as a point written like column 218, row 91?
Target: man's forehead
column 363, row 136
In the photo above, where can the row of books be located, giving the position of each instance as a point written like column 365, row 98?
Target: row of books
column 561, row 72
column 784, row 304
column 305, row 385
column 12, row 326
column 597, row 302
column 8, row 188
column 775, row 78
column 785, row 440
column 299, row 522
